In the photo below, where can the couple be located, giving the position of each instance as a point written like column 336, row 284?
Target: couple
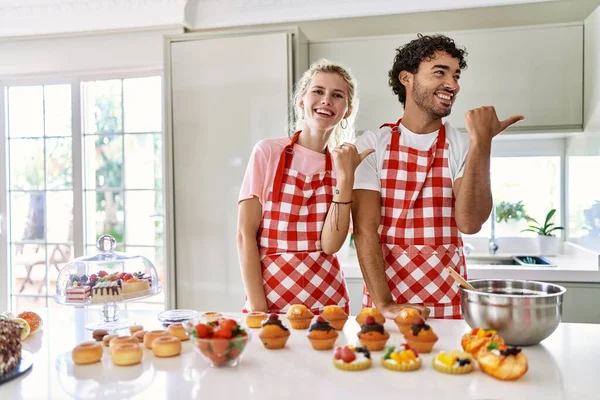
column 412, row 186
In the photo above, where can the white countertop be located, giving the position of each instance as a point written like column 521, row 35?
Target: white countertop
column 562, row 367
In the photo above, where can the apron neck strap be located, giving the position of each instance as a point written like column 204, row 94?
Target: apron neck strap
column 395, row 144
column 285, row 162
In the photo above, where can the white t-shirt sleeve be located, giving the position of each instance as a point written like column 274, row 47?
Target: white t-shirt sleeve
column 367, row 174
column 459, row 148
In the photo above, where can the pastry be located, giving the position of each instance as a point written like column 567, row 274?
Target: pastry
column 478, row 339
column 77, row 293
column 150, row 336
column 139, row 335
column 135, row 328
column 10, row 345
column 299, row 316
column 106, row 339
column 361, row 318
column 407, row 318
column 99, row 334
column 25, row 329
column 350, row 358
column 178, row 331
column 335, row 315
column 401, row 358
column 273, row 333
column 121, row 340
column 127, row 354
column 255, row 319
column 166, row 346
column 34, row 320
column 372, row 335
column 322, row 335
column 109, row 291
column 421, row 337
column 454, row 362
column 87, row 353
column 133, row 288
column 211, row 316
column 502, row 362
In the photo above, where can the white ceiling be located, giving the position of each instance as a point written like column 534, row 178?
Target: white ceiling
column 41, row 17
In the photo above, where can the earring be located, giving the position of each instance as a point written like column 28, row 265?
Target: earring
column 342, row 123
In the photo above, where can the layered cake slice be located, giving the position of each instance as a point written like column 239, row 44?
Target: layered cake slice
column 106, row 292
column 10, row 346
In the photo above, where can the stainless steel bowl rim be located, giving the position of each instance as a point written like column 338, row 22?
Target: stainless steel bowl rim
column 478, row 292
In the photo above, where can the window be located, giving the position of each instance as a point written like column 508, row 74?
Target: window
column 115, row 150
column 584, row 201
column 535, row 181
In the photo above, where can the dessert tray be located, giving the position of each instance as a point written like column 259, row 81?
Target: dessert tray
column 106, row 279
column 24, row 366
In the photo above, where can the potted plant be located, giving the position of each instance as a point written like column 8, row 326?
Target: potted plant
column 547, row 243
column 510, row 215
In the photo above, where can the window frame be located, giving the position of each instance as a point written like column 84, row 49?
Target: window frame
column 76, row 80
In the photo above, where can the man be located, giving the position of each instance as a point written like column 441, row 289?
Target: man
column 425, row 184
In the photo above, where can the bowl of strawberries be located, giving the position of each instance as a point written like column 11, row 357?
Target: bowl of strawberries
column 222, row 342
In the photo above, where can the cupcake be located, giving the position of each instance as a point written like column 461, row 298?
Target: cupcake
column 407, row 318
column 299, row 316
column 273, row 333
column 454, row 362
column 372, row 335
column 350, row 358
column 322, row 335
column 255, row 319
column 421, row 337
column 478, row 339
column 361, row 318
column 401, row 358
column 211, row 316
column 336, row 316
column 502, row 362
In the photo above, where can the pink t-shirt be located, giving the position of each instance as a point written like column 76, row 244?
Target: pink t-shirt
column 262, row 165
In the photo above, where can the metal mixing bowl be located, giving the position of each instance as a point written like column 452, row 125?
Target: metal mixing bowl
column 523, row 312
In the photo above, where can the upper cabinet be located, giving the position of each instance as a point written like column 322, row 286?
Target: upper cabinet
column 533, row 71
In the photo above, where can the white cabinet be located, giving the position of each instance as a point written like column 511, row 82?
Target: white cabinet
column 534, row 71
column 224, row 95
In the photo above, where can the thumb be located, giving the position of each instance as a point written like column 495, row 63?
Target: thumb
column 365, row 153
column 509, row 121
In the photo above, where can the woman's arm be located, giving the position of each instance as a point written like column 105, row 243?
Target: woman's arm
column 249, row 217
column 345, row 160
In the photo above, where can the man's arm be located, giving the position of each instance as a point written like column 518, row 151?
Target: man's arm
column 249, row 217
column 473, row 191
column 366, row 214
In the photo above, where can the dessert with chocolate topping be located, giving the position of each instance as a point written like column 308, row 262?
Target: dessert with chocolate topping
column 273, row 333
column 502, row 362
column 401, row 358
column 478, row 339
column 421, row 337
column 361, row 318
column 454, row 362
column 350, row 358
column 10, row 346
column 322, row 335
column 372, row 335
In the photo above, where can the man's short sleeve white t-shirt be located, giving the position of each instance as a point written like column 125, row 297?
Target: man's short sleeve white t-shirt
column 368, row 173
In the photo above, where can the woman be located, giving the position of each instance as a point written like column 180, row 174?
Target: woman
column 295, row 201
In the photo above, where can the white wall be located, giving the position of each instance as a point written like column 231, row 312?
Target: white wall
column 71, row 54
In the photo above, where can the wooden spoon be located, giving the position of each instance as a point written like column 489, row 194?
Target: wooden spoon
column 459, row 279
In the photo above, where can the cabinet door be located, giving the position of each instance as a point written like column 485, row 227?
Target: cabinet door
column 227, row 93
column 537, row 72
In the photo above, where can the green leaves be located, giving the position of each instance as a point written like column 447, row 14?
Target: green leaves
column 506, row 210
column 543, row 230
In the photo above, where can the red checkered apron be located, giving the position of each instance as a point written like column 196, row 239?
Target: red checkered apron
column 418, row 230
column 295, row 269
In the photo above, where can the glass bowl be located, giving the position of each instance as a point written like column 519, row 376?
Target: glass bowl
column 219, row 346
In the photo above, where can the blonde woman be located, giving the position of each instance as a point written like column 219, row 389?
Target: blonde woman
column 295, row 200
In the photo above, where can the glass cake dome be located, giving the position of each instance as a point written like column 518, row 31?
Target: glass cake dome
column 106, row 278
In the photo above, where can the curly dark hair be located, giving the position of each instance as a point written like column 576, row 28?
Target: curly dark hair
column 409, row 57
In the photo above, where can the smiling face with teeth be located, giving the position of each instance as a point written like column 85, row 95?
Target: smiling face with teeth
column 433, row 88
column 325, row 102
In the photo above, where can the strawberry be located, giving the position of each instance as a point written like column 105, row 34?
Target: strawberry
column 348, row 355
column 219, row 346
column 126, row 276
column 204, row 331
column 222, row 333
column 233, row 353
column 218, row 359
column 337, row 354
column 93, row 278
column 204, row 347
column 370, row 320
column 228, row 324
column 102, row 274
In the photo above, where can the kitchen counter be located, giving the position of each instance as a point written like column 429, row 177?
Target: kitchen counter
column 562, row 367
